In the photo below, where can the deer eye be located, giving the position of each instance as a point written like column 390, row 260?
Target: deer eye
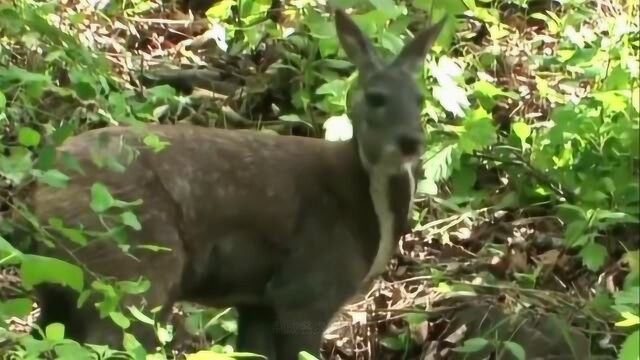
column 375, row 99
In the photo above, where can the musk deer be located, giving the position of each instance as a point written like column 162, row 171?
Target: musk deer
column 285, row 229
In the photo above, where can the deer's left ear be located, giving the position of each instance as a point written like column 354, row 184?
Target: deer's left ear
column 358, row 47
column 412, row 55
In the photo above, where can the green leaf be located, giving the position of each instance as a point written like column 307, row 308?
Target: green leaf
column 74, row 235
column 40, row 269
column 20, row 307
column 618, row 79
column 120, row 319
column 593, row 255
column 306, row 356
column 574, row 231
column 154, row 142
column 472, row 345
column 54, row 332
column 130, row 219
column 631, row 347
column 522, row 131
column 628, row 296
column 101, row 198
column 3, row 102
column 515, row 349
column 220, row 10
column 7, row 250
column 28, row 137
column 629, row 319
column 393, row 342
column 53, row 178
column 612, row 101
column 140, row 316
column 478, row 133
column 133, row 347
column 388, row 7
column 293, row 118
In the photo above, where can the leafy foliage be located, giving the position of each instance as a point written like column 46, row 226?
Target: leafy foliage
column 546, row 99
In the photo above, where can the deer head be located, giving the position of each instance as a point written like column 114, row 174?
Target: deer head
column 386, row 106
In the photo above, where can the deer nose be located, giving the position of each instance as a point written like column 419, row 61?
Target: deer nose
column 409, row 144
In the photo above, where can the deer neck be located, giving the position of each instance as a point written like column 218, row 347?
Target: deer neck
column 392, row 198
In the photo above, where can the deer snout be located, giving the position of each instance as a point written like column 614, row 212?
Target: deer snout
column 409, row 144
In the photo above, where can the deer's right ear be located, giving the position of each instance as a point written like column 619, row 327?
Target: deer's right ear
column 355, row 44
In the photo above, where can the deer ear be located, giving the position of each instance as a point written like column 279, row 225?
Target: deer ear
column 355, row 44
column 412, row 55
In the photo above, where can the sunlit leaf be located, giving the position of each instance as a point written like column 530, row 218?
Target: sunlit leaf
column 631, row 347
column 39, row 269
column 28, row 137
column 55, row 332
column 593, row 255
column 101, row 198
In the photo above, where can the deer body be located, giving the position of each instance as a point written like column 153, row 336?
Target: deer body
column 284, row 228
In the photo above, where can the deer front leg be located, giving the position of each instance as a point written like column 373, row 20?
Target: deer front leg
column 307, row 295
column 301, row 329
column 256, row 330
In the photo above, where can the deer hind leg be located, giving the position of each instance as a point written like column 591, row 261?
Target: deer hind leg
column 301, row 329
column 162, row 268
column 256, row 330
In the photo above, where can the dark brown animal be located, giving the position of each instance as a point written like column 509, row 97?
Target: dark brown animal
column 286, row 229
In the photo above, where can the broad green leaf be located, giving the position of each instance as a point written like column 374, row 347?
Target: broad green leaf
column 472, row 345
column 154, row 142
column 140, row 316
column 73, row 351
column 393, row 342
column 53, row 178
column 515, row 349
column 479, row 132
column 618, row 79
column 593, row 255
column 133, row 347
column 28, row 137
column 130, row 219
column 388, row 7
column 629, row 319
column 39, row 269
column 7, row 250
column 120, row 319
column 522, row 131
column 628, row 296
column 293, row 118
column 613, row 101
column 220, row 10
column 306, row 356
column 55, row 332
column 427, row 186
column 391, row 42
column 72, row 234
column 101, row 198
column 631, row 347
column 574, row 231
column 19, row 307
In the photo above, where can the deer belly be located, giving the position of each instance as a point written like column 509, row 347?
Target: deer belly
column 231, row 269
